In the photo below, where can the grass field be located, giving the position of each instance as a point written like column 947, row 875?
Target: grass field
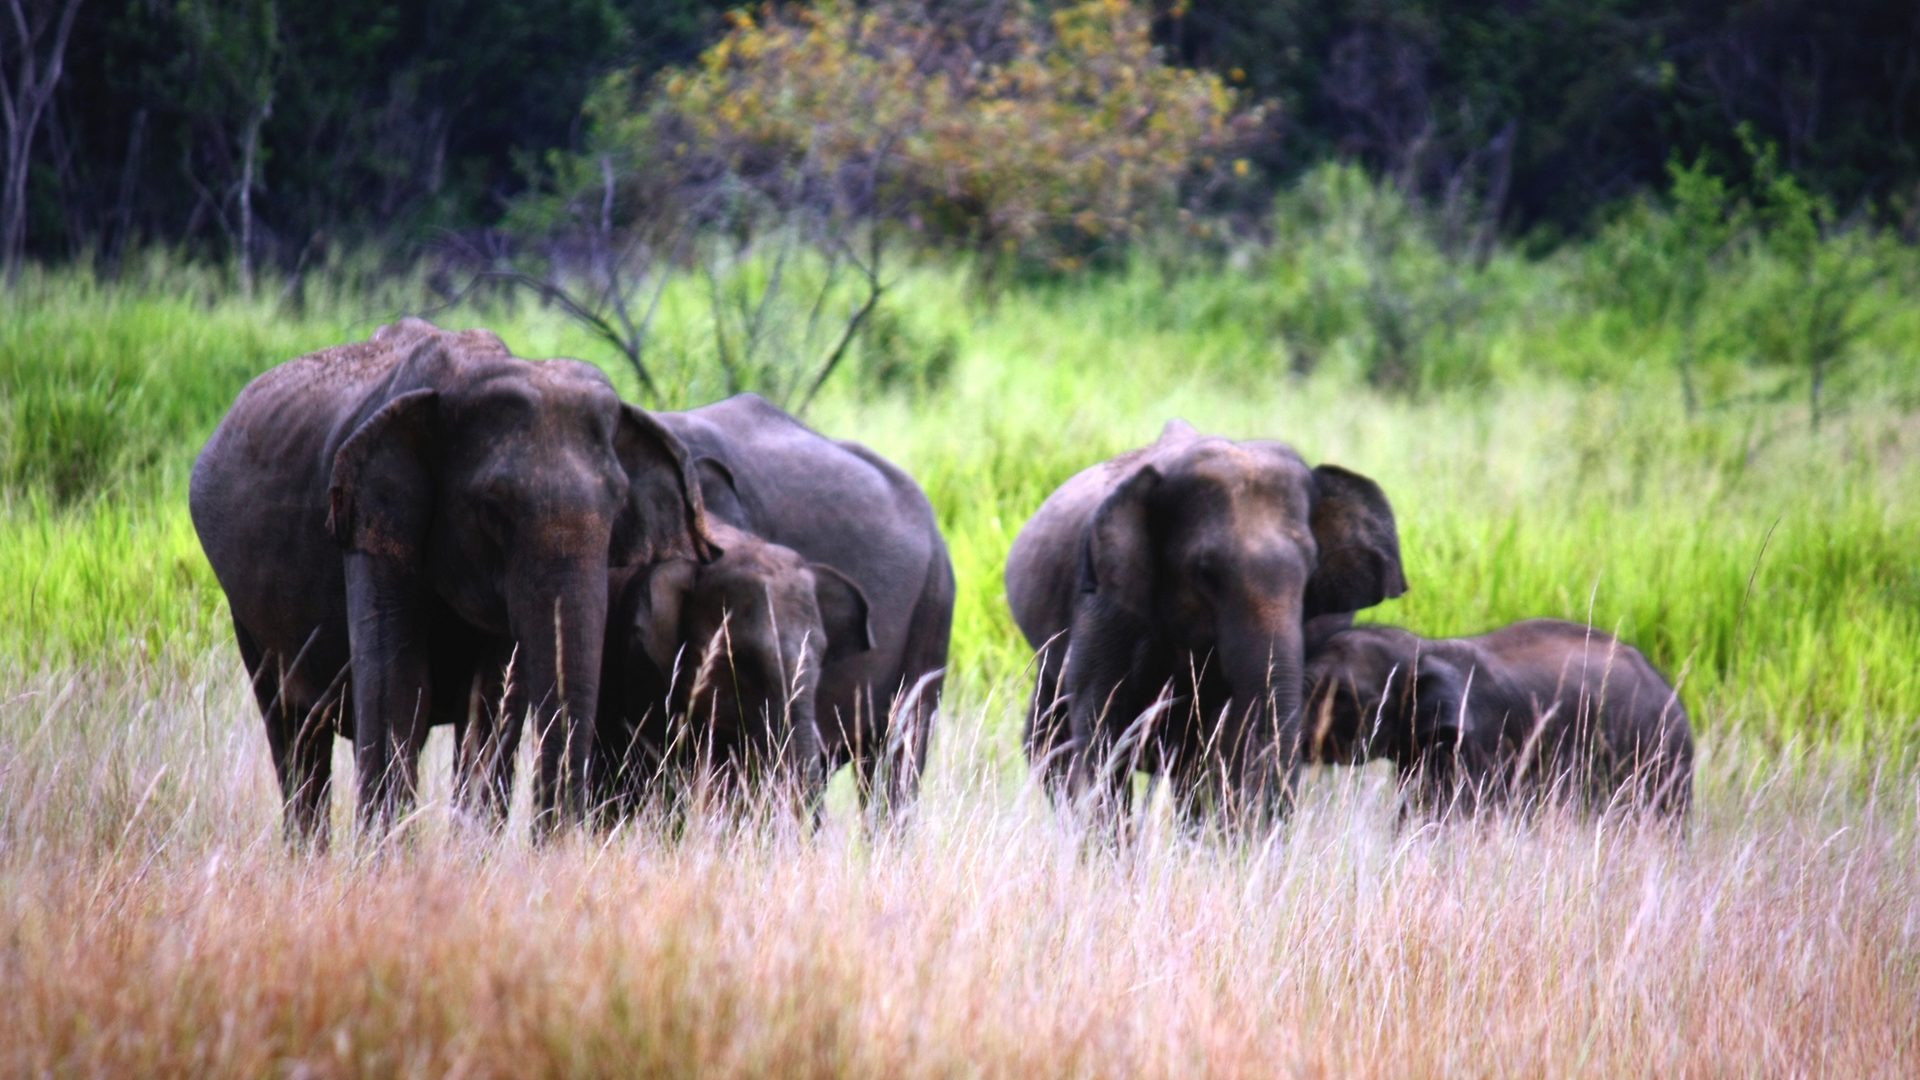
column 150, row 922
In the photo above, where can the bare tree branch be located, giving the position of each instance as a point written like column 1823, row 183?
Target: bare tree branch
column 871, row 268
column 22, row 102
column 582, row 313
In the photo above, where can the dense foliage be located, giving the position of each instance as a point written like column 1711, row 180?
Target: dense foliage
column 1544, row 110
column 370, row 117
column 274, row 129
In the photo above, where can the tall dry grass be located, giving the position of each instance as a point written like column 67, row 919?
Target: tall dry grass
column 151, row 923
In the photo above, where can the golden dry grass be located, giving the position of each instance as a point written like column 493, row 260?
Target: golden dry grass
column 150, row 923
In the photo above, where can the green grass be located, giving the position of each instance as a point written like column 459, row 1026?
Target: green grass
column 1768, row 565
column 1542, row 464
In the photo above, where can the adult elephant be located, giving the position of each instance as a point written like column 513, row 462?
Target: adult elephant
column 851, row 515
column 395, row 520
column 1195, row 563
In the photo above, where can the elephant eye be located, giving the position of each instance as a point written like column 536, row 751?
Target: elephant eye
column 495, row 518
column 1207, row 570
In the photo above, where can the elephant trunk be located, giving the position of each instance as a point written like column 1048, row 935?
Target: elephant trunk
column 1260, row 735
column 804, row 750
column 558, row 611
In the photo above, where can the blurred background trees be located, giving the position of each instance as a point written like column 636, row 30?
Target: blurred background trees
column 268, row 131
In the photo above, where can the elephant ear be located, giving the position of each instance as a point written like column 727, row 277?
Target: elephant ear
column 719, row 491
column 843, row 612
column 665, row 517
column 380, row 495
column 1359, row 545
column 661, row 604
column 1117, row 560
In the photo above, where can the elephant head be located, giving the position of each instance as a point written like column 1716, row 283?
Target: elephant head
column 735, row 648
column 1372, row 693
column 508, row 489
column 1216, row 554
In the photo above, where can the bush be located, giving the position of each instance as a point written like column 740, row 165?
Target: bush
column 1055, row 139
column 1354, row 276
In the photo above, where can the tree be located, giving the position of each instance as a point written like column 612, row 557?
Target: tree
column 26, row 88
column 1817, row 307
column 234, row 66
column 1056, row 137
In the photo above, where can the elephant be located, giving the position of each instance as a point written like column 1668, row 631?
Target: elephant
column 1200, row 564
column 1540, row 708
column 840, row 506
column 397, row 520
column 718, row 666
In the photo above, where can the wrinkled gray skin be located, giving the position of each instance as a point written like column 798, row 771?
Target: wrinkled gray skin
column 715, row 669
column 1197, row 565
column 391, row 520
column 1542, row 707
column 839, row 505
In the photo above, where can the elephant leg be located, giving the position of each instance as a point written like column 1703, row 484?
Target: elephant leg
column 1047, row 737
column 488, row 746
column 263, row 672
column 264, row 677
column 1199, row 769
column 1110, row 676
column 869, row 753
column 1193, row 767
column 659, row 764
column 890, row 775
column 852, row 736
column 608, row 802
column 1195, row 790
column 909, row 728
column 1457, row 779
column 297, row 709
column 918, row 686
column 1423, row 789
column 459, row 660
column 307, row 784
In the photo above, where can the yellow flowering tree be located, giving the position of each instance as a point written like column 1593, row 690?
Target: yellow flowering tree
column 1050, row 136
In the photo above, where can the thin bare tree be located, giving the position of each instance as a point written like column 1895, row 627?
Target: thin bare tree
column 33, row 51
column 237, row 54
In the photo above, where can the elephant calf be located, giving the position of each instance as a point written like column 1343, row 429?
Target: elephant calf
column 1543, row 706
column 718, row 666
column 841, row 505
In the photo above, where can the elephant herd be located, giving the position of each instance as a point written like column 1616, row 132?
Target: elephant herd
column 424, row 529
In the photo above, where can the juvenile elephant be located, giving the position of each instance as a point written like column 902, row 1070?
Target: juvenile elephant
column 1542, row 707
column 1194, row 564
column 841, row 506
column 718, row 665
column 392, row 520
